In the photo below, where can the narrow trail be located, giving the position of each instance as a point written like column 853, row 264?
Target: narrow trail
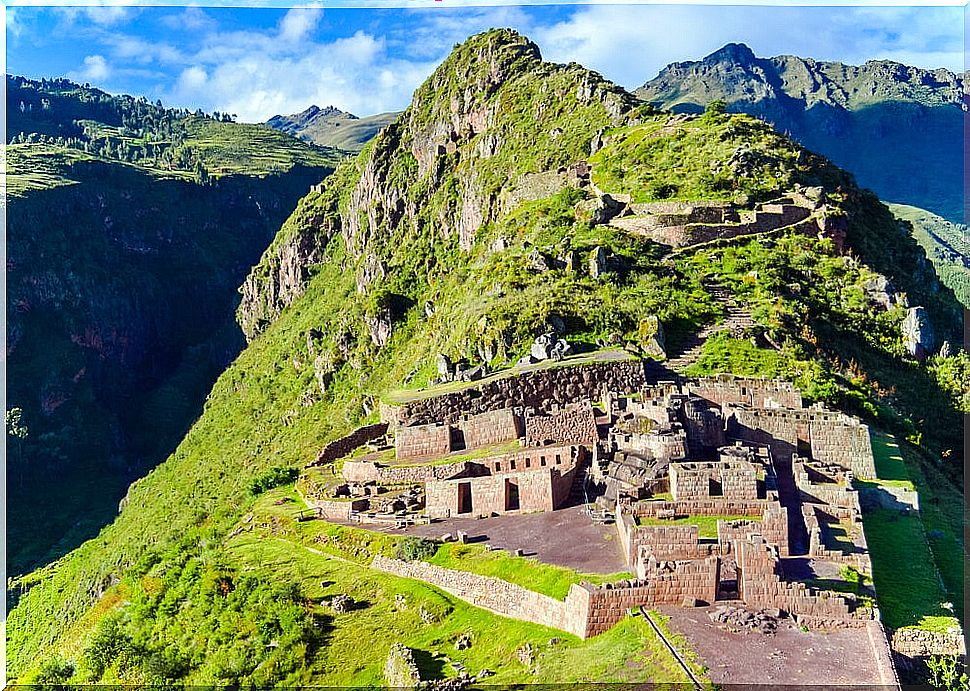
column 737, row 319
column 673, row 650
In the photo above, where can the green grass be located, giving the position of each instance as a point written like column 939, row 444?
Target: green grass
column 706, row 525
column 919, row 559
column 547, row 579
column 660, row 160
column 904, row 573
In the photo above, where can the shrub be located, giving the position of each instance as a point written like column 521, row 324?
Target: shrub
column 274, row 477
column 415, row 549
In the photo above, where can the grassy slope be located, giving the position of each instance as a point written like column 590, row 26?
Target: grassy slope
column 946, row 244
column 267, row 410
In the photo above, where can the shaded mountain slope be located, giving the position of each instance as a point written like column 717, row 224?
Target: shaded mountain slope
column 330, row 126
column 121, row 286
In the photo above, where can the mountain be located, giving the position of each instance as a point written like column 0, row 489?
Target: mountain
column 332, row 127
column 510, row 198
column 898, row 129
column 946, row 244
column 129, row 229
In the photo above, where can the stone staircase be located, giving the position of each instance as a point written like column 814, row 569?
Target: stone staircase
column 737, row 320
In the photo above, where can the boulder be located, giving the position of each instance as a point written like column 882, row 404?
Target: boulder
column 601, row 209
column 341, row 603
column 445, row 367
column 598, row 262
column 651, row 337
column 400, row 669
column 538, row 261
column 918, row 335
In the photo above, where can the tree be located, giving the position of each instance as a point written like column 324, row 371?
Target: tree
column 947, row 673
column 716, row 107
column 18, row 430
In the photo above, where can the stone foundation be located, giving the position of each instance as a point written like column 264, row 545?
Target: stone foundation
column 544, row 389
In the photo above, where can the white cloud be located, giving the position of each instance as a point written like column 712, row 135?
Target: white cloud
column 297, row 24
column 101, row 15
column 191, row 19
column 193, row 79
column 95, row 69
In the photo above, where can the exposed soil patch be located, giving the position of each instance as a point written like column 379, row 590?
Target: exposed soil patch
column 787, row 657
column 566, row 537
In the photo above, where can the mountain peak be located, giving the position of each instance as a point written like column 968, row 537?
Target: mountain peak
column 732, row 52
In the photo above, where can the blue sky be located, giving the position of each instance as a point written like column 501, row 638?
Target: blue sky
column 257, row 62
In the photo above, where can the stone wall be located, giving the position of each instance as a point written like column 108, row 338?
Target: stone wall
column 708, row 507
column 572, row 424
column 663, row 446
column 587, row 611
column 916, row 643
column 676, row 230
column 760, row 585
column 663, row 582
column 735, row 479
column 666, row 542
column 833, row 437
column 542, row 389
column 541, row 489
column 422, row 441
column 337, row 510
column 489, row 593
column 490, row 428
column 367, row 471
column 754, row 393
column 338, row 448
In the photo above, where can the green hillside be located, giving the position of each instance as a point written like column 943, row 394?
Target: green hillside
column 897, row 128
column 123, row 266
column 459, row 230
column 946, row 244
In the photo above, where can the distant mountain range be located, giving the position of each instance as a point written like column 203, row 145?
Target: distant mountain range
column 331, row 127
column 898, row 129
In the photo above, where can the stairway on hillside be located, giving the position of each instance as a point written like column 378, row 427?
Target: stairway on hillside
column 737, row 320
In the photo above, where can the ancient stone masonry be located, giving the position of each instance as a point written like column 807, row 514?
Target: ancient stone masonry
column 529, row 480
column 573, row 424
column 731, row 479
column 832, row 437
column 490, row 428
column 542, row 389
column 754, row 393
column 338, row 448
column 489, row 593
column 422, row 440
column 691, row 224
column 760, row 585
column 368, row 471
column 776, row 477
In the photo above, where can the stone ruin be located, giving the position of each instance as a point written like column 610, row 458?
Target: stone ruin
column 744, row 454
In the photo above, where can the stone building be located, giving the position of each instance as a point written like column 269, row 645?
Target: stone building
column 539, row 479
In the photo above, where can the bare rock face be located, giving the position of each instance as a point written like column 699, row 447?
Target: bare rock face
column 372, row 269
column 881, row 292
column 652, row 341
column 918, row 334
column 380, row 326
column 280, row 277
